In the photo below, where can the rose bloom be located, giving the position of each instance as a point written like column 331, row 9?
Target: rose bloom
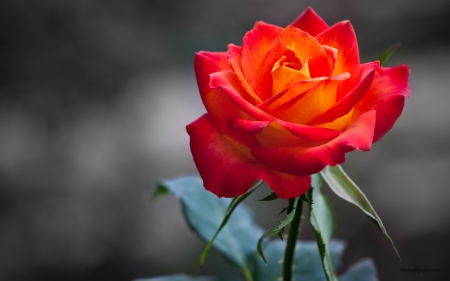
column 287, row 103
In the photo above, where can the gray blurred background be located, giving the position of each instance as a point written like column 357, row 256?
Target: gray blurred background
column 94, row 99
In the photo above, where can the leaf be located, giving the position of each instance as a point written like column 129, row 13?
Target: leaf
column 270, row 197
column 234, row 203
column 282, row 211
column 304, row 198
column 321, row 217
column 345, row 188
column 277, row 229
column 182, row 277
column 363, row 270
column 307, row 261
column 204, row 213
column 388, row 53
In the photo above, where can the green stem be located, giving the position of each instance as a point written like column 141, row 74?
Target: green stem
column 291, row 241
column 247, row 273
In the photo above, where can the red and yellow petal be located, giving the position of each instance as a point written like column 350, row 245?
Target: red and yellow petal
column 341, row 36
column 227, row 81
column 386, row 96
column 216, row 101
column 256, row 42
column 228, row 170
column 309, row 133
column 346, row 103
column 235, row 57
column 309, row 21
column 264, row 78
column 306, row 46
column 306, row 106
column 206, row 63
column 302, row 161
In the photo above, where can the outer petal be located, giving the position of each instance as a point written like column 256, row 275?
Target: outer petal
column 248, row 126
column 229, row 171
column 216, row 101
column 256, row 42
column 227, row 81
column 341, row 36
column 387, row 97
column 309, row 21
column 302, row 161
column 206, row 63
column 309, row 133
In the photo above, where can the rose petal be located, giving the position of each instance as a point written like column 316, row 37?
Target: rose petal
column 229, row 171
column 302, row 161
column 386, row 96
column 215, row 100
column 309, row 133
column 227, row 81
column 248, row 126
column 306, row 46
column 264, row 78
column 206, row 63
column 341, row 36
column 284, row 77
column 295, row 91
column 306, row 106
column 345, row 104
column 235, row 57
column 309, row 21
column 256, row 42
column 332, row 57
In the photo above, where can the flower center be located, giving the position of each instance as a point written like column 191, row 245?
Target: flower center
column 288, row 71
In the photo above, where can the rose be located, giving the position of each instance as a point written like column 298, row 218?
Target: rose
column 287, row 103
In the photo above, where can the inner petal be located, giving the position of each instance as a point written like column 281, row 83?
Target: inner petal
column 287, row 73
column 303, row 108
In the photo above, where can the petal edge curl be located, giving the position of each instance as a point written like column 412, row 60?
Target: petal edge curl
column 256, row 42
column 227, row 81
column 386, row 96
column 303, row 161
column 342, row 37
column 229, row 171
column 216, row 102
column 347, row 102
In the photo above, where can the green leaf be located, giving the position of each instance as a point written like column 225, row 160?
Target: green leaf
column 282, row 211
column 307, row 261
column 321, row 217
column 234, row 203
column 205, row 212
column 277, row 229
column 270, row 197
column 345, row 188
column 182, row 277
column 304, row 198
column 363, row 270
column 388, row 53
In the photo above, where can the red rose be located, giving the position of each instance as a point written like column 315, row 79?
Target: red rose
column 287, row 103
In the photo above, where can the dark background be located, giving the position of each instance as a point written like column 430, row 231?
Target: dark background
column 94, row 98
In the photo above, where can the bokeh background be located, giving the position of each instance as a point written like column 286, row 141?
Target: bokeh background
column 94, row 99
